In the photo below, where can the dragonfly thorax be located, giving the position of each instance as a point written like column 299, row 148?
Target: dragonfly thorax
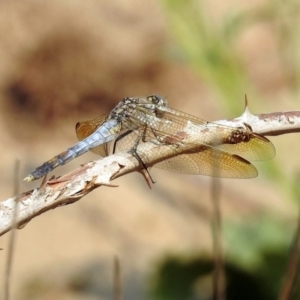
column 124, row 109
column 139, row 108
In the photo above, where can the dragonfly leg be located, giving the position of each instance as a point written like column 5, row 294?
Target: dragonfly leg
column 119, row 138
column 139, row 159
column 133, row 151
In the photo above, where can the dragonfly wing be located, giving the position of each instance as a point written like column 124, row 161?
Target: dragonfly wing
column 211, row 162
column 86, row 128
column 257, row 148
column 204, row 160
column 240, row 141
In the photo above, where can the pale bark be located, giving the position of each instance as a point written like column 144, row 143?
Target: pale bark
column 73, row 186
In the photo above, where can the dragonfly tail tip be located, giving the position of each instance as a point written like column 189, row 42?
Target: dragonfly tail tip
column 29, row 178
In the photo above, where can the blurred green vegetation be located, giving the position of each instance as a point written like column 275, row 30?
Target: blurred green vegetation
column 247, row 242
column 209, row 45
column 208, row 48
column 257, row 252
column 190, row 278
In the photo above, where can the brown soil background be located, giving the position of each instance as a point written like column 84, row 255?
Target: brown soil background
column 65, row 61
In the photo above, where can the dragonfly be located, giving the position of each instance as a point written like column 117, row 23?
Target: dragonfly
column 196, row 146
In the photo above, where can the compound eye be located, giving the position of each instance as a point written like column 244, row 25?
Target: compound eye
column 155, row 99
column 152, row 99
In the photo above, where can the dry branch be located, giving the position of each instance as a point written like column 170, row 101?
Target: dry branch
column 73, row 186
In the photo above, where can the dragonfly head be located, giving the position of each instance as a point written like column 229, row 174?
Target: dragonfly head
column 157, row 100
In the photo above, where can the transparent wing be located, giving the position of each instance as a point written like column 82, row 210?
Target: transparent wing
column 205, row 160
column 254, row 147
column 211, row 162
column 228, row 157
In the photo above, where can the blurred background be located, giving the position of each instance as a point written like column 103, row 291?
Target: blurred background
column 66, row 61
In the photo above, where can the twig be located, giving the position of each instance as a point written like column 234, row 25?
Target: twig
column 73, row 186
